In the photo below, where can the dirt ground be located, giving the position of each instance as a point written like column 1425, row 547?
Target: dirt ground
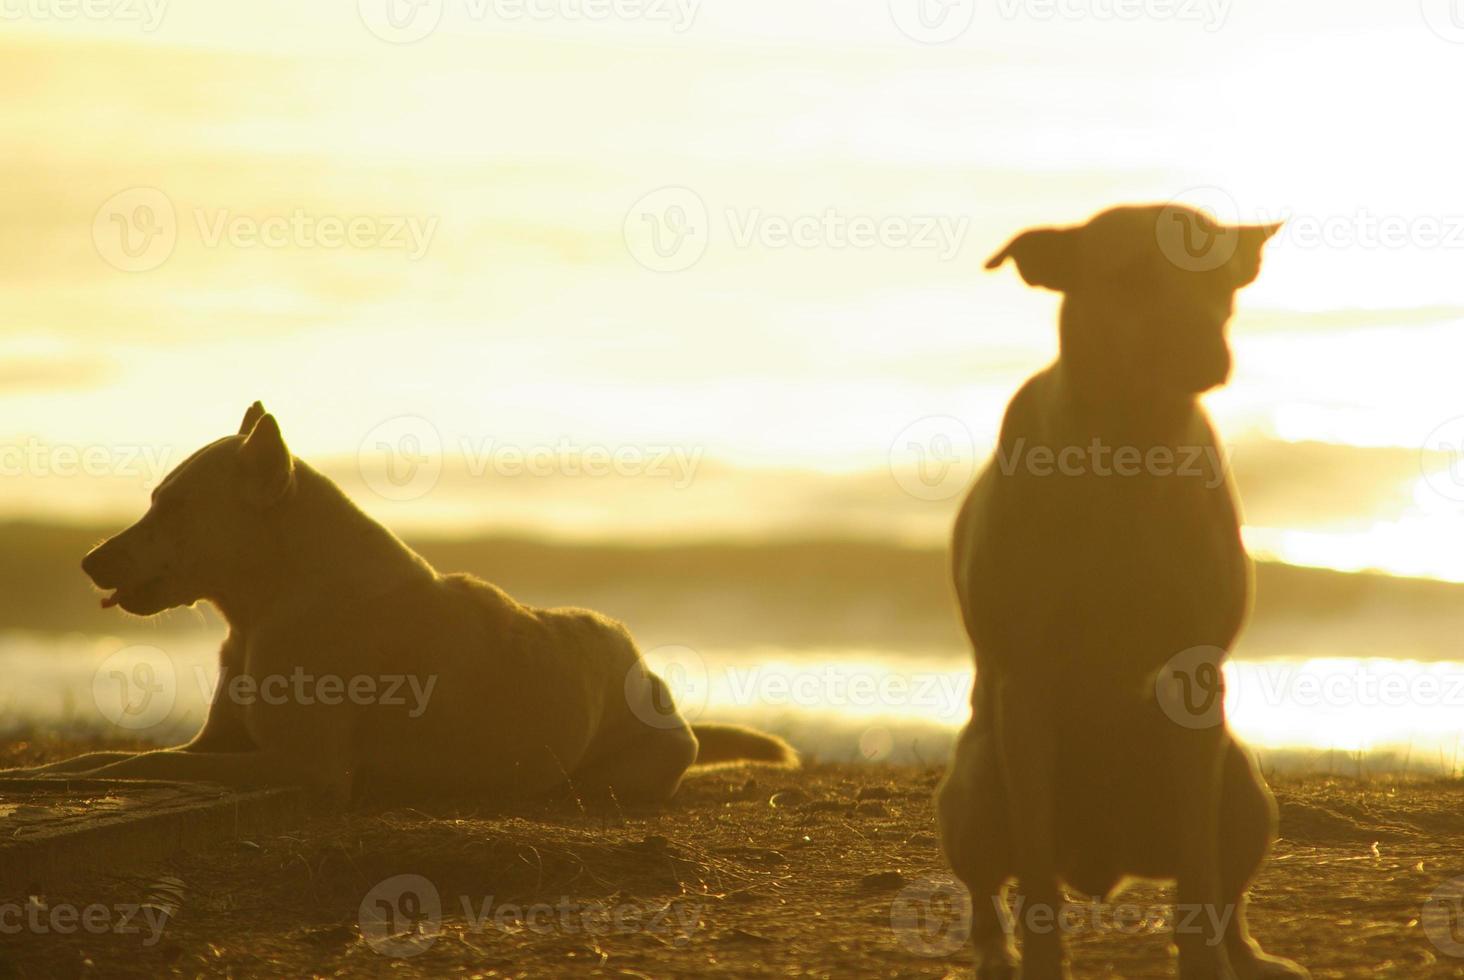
column 832, row 871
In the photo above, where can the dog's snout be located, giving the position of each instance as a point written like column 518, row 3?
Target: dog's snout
column 104, row 565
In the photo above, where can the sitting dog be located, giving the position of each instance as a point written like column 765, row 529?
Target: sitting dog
column 1098, row 559
column 521, row 701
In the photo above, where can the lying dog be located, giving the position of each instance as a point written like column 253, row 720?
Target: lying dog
column 522, row 700
column 1095, row 559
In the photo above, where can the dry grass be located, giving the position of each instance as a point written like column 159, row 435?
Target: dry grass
column 747, row 873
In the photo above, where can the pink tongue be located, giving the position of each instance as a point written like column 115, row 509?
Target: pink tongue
column 108, row 601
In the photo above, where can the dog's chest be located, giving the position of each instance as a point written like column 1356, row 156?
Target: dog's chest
column 1100, row 565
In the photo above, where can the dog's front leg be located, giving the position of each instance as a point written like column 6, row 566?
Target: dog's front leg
column 79, row 763
column 1026, row 727
column 1201, row 915
column 319, row 774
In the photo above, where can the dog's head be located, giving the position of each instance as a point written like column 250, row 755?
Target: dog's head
column 205, row 521
column 1147, row 292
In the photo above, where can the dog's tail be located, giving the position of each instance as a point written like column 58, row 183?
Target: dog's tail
column 734, row 743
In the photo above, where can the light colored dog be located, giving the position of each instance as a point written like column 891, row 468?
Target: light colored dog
column 1098, row 563
column 324, row 605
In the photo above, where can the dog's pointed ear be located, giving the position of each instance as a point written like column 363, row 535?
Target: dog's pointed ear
column 1046, row 257
column 252, row 415
column 1245, row 264
column 268, row 465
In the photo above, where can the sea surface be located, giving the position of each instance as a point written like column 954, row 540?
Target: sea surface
column 1353, row 715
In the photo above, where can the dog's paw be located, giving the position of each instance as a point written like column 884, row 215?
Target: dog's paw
column 1212, row 964
column 997, row 969
column 993, row 969
column 1264, row 966
column 1030, row 969
column 997, row 961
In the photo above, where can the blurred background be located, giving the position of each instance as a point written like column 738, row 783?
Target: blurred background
column 675, row 308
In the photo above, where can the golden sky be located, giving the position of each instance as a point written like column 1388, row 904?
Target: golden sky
column 210, row 203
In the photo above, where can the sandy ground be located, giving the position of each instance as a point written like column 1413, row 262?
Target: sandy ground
column 833, row 871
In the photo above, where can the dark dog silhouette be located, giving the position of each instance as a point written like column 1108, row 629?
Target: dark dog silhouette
column 1100, row 570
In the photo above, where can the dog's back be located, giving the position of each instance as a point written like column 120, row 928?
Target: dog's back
column 539, row 685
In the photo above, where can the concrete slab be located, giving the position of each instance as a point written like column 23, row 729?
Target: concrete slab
column 58, row 829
